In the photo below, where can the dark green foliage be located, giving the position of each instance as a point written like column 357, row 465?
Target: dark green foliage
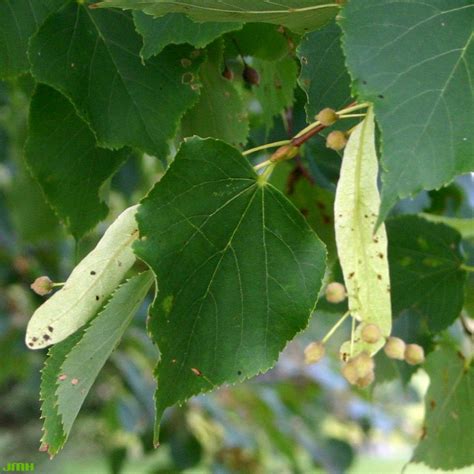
column 196, row 92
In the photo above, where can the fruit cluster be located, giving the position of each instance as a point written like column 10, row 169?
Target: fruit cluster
column 360, row 369
column 335, row 140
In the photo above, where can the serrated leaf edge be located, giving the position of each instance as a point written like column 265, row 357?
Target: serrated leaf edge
column 85, row 331
column 158, row 417
column 109, row 145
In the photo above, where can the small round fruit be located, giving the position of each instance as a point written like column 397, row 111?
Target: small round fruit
column 363, row 382
column 414, row 354
column 371, row 333
column 336, row 140
column 335, row 292
column 251, row 76
column 327, row 116
column 349, row 372
column 395, row 348
column 42, row 286
column 314, row 352
column 363, row 364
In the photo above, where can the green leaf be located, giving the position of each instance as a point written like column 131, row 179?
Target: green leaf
column 448, row 437
column 276, row 88
column 425, row 270
column 54, row 437
column 62, row 156
column 464, row 226
column 323, row 75
column 239, row 271
column 316, row 204
column 298, row 15
column 272, row 44
column 92, row 57
column 414, row 61
column 176, row 28
column 80, row 357
column 362, row 252
column 220, row 112
column 19, row 20
column 88, row 286
column 85, row 360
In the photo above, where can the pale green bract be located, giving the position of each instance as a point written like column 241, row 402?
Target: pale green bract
column 362, row 253
column 88, row 286
column 298, row 15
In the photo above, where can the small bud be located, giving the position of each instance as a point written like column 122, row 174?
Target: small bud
column 251, row 76
column 336, row 140
column 363, row 382
column 327, row 117
column 228, row 73
column 285, row 152
column 42, row 286
column 395, row 348
column 335, row 292
column 414, row 354
column 314, row 352
column 371, row 333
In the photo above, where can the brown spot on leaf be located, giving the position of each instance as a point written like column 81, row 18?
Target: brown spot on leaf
column 74, row 381
column 432, row 404
column 93, row 272
column 62, row 377
column 46, row 337
column 50, row 328
column 196, row 371
column 351, row 275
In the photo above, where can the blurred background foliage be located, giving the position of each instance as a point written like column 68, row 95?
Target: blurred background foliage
column 293, row 419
